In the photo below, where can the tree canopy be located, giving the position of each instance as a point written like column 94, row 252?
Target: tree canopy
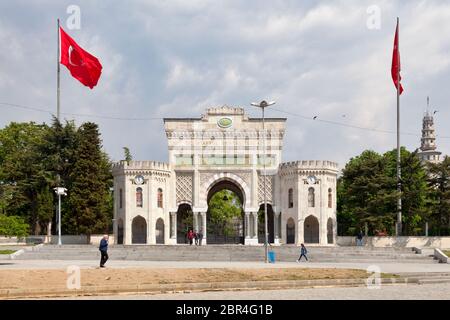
column 367, row 193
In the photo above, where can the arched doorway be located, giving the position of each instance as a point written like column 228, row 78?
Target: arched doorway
column 160, row 231
column 290, row 231
column 120, row 231
column 311, row 230
column 330, row 231
column 185, row 222
column 270, row 224
column 225, row 215
column 139, row 230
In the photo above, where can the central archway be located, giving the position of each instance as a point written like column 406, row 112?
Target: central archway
column 139, row 230
column 225, row 215
column 311, row 229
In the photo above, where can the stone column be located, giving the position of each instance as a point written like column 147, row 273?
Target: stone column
column 300, row 236
column 276, row 217
column 255, row 225
column 195, row 221
column 276, row 227
column 173, row 225
column 247, row 225
column 203, row 216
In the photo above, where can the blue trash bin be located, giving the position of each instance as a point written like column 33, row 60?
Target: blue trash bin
column 271, row 256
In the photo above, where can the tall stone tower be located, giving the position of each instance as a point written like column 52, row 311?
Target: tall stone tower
column 428, row 152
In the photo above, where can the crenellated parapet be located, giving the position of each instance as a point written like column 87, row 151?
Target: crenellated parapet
column 307, row 167
column 141, row 167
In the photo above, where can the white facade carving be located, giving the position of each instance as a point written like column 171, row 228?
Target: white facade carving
column 223, row 149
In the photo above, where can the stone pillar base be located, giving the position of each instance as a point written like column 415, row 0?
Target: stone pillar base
column 276, row 242
column 251, row 241
column 172, row 241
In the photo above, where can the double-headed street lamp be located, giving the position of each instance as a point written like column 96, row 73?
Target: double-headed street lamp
column 60, row 192
column 264, row 104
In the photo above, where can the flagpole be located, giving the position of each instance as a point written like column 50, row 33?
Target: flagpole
column 399, row 183
column 58, row 78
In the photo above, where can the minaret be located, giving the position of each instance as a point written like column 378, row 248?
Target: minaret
column 428, row 151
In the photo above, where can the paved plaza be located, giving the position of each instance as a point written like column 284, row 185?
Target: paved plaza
column 390, row 267
column 387, row 292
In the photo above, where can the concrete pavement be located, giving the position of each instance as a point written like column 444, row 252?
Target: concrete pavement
column 391, row 267
column 386, row 292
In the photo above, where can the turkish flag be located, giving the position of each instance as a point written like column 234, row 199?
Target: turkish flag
column 395, row 69
column 81, row 64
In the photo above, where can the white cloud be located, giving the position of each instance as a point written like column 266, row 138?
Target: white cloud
column 176, row 58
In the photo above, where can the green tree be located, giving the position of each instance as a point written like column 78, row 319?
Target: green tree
column 225, row 211
column 127, row 153
column 88, row 195
column 415, row 190
column 367, row 193
column 439, row 182
column 22, row 173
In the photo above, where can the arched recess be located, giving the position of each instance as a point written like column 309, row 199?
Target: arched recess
column 225, row 230
column 120, row 231
column 270, row 224
column 290, row 231
column 230, row 177
column 139, row 230
column 311, row 230
column 159, row 231
column 185, row 222
column 330, row 234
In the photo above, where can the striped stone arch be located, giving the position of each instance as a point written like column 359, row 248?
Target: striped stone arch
column 238, row 181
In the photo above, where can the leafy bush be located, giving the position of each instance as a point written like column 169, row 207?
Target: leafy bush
column 13, row 226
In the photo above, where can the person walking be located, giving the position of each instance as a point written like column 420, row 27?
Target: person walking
column 303, row 253
column 104, row 250
column 200, row 238
column 196, row 237
column 190, row 236
column 359, row 239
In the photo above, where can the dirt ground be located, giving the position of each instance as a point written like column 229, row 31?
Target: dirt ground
column 27, row 279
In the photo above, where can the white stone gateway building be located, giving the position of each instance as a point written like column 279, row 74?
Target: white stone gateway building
column 156, row 203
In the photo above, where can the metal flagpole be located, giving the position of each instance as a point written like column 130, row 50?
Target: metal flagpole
column 399, row 183
column 58, row 80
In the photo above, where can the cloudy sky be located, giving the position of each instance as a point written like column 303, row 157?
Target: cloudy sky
column 176, row 58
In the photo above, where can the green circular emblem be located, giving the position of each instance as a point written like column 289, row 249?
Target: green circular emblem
column 225, row 122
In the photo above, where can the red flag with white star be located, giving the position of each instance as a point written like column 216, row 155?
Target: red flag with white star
column 395, row 69
column 82, row 65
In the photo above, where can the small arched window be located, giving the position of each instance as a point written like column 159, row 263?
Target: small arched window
column 330, row 198
column 311, row 197
column 160, row 198
column 120, row 198
column 139, row 202
column 291, row 198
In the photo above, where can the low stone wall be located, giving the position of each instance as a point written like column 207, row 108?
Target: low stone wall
column 65, row 239
column 401, row 242
column 11, row 241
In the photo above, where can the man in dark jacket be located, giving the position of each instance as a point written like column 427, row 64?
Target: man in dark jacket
column 104, row 251
column 303, row 253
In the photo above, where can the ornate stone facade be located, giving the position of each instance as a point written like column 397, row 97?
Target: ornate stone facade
column 223, row 149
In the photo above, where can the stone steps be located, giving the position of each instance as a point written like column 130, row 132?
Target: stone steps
column 224, row 253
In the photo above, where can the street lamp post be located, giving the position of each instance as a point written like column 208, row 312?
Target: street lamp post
column 264, row 104
column 60, row 192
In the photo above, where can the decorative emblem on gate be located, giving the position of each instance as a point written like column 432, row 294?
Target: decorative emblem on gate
column 225, row 122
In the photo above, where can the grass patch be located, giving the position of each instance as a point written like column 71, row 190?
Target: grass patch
column 7, row 251
column 447, row 253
